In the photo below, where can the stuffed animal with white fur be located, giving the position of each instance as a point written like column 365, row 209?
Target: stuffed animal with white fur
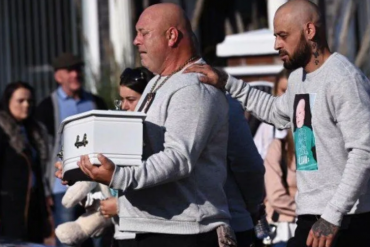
column 91, row 223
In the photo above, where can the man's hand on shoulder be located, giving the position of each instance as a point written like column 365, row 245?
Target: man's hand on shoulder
column 210, row 75
column 322, row 234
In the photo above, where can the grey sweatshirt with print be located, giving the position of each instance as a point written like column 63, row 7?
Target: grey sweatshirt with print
column 179, row 189
column 335, row 144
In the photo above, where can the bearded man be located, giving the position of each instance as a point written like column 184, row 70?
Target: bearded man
column 332, row 142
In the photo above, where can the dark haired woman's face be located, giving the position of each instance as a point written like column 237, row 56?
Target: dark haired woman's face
column 129, row 98
column 20, row 104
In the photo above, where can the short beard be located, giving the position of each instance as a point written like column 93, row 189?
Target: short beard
column 301, row 56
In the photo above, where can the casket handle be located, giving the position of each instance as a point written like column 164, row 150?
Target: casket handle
column 79, row 143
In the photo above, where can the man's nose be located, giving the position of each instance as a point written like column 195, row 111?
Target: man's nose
column 73, row 73
column 136, row 40
column 277, row 45
column 26, row 103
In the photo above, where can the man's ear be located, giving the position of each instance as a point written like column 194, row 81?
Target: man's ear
column 310, row 31
column 172, row 36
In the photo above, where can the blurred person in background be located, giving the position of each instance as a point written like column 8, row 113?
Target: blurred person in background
column 24, row 213
column 267, row 132
column 281, row 187
column 244, row 186
column 67, row 100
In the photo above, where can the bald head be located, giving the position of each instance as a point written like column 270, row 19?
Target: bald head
column 300, row 12
column 164, row 38
column 300, row 35
column 168, row 15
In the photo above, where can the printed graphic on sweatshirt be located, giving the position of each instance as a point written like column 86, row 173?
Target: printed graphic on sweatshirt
column 304, row 139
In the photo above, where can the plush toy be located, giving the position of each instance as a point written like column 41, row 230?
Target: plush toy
column 91, row 223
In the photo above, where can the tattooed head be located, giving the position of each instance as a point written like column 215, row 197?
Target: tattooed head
column 298, row 31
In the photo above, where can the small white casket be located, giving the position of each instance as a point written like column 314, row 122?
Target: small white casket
column 116, row 134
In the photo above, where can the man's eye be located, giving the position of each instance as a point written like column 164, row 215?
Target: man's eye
column 283, row 36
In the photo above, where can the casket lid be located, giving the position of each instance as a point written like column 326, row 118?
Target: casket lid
column 102, row 113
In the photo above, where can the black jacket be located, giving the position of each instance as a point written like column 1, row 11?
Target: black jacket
column 23, row 209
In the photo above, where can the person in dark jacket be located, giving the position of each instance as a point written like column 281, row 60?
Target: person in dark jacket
column 68, row 99
column 23, row 155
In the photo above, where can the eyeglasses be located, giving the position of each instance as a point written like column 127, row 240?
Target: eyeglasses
column 131, row 74
column 118, row 104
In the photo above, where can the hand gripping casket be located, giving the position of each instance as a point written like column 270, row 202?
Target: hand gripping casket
column 116, row 134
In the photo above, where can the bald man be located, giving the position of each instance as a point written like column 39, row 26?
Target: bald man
column 175, row 197
column 333, row 200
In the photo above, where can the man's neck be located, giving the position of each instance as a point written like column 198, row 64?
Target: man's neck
column 173, row 65
column 318, row 58
column 73, row 94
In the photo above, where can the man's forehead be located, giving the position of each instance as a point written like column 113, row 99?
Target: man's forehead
column 285, row 23
column 145, row 22
column 290, row 17
column 283, row 17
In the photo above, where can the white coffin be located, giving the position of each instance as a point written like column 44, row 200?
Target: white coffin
column 116, row 134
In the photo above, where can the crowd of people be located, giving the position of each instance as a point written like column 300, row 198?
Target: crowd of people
column 203, row 180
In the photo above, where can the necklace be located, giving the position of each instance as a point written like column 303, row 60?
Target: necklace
column 150, row 96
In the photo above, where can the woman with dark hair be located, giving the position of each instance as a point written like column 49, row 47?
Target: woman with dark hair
column 23, row 153
column 132, row 85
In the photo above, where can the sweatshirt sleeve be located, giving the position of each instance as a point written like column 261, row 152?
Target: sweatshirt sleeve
column 351, row 103
column 191, row 120
column 274, row 110
column 277, row 195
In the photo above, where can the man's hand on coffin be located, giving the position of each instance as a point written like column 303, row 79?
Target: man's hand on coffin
column 59, row 172
column 102, row 173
